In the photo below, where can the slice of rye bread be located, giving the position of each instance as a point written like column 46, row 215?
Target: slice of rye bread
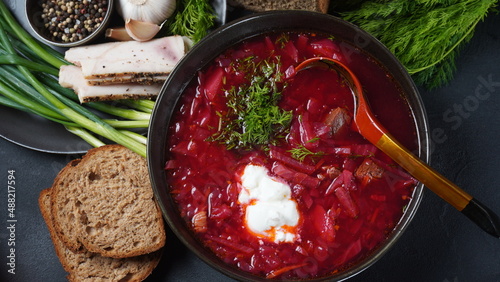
column 87, row 266
column 104, row 203
column 269, row 5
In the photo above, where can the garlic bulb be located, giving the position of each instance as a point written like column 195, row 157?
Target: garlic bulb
column 151, row 11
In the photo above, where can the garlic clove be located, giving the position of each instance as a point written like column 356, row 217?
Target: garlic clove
column 141, row 31
column 118, row 33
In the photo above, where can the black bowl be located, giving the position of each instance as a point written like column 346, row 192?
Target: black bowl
column 226, row 36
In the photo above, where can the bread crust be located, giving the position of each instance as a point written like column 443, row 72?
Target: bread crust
column 269, row 5
column 87, row 266
column 104, row 203
column 64, row 234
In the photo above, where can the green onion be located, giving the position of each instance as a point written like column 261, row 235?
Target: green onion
column 138, row 105
column 16, row 60
column 13, row 78
column 85, row 135
column 136, row 136
column 121, row 112
column 145, row 104
column 26, row 38
column 127, row 123
column 11, row 104
column 28, row 103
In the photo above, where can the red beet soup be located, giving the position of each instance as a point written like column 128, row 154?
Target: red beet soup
column 266, row 164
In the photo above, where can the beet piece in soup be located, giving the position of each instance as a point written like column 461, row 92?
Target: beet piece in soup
column 266, row 165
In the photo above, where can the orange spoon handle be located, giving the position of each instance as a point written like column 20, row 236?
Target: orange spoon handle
column 437, row 183
column 444, row 188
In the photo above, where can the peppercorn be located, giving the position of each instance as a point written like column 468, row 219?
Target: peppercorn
column 72, row 20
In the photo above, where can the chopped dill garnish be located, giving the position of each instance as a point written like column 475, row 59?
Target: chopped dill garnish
column 301, row 152
column 254, row 118
column 282, row 40
column 313, row 140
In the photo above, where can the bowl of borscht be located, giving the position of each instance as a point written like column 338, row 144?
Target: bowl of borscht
column 260, row 170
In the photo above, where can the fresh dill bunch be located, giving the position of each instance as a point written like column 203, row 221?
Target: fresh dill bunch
column 193, row 19
column 425, row 35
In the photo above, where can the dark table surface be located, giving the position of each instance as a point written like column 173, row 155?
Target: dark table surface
column 440, row 244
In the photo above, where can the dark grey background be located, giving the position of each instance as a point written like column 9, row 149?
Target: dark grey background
column 440, row 244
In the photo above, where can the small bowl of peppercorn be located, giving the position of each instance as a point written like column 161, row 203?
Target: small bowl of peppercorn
column 69, row 23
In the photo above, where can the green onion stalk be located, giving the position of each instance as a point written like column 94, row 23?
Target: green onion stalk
column 28, row 82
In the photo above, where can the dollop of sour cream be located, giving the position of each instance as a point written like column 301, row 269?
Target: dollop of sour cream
column 270, row 212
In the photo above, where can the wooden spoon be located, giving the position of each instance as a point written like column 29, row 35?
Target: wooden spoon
column 370, row 128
